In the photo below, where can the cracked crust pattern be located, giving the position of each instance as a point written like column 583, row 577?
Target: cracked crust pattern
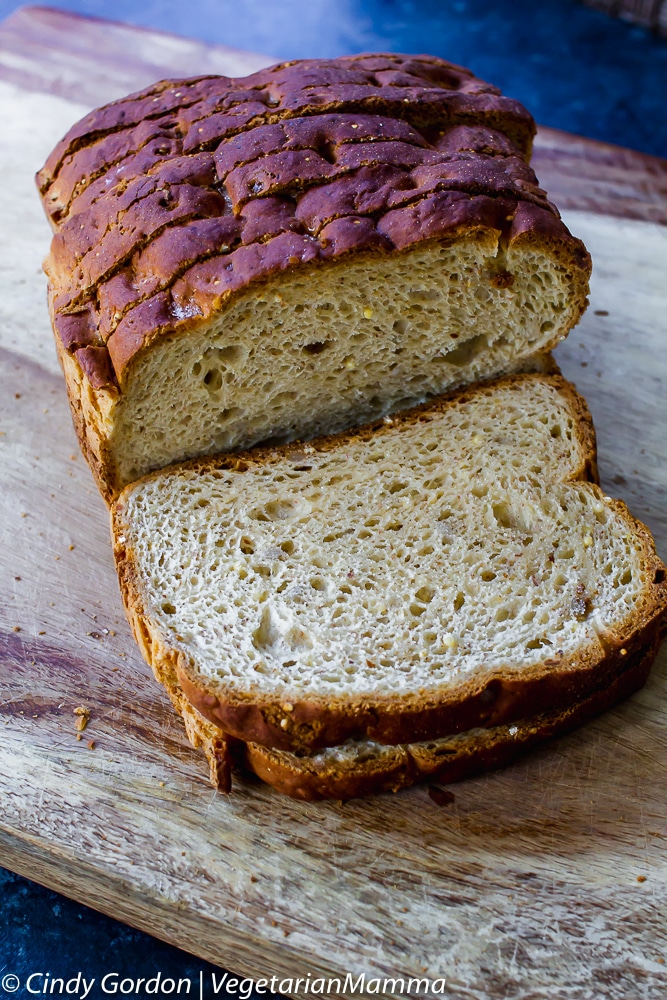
column 170, row 201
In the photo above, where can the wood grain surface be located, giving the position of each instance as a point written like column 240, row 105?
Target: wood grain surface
column 548, row 879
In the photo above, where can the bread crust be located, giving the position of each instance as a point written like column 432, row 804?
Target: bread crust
column 407, row 764
column 555, row 684
column 413, row 763
column 172, row 202
column 498, row 700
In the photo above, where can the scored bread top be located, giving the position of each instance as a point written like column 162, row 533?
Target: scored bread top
column 437, row 571
column 171, row 200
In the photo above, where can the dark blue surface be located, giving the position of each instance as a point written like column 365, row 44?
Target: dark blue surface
column 574, row 68
column 44, row 933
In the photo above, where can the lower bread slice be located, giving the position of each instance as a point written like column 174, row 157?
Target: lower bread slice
column 446, row 571
column 364, row 768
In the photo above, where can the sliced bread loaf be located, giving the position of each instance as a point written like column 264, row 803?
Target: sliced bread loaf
column 295, row 252
column 441, row 571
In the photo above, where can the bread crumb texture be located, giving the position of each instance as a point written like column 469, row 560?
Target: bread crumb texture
column 337, row 349
column 436, row 549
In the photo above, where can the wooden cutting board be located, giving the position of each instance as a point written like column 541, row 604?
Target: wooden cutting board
column 547, row 879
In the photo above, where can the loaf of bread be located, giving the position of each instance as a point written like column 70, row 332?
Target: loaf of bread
column 445, row 570
column 295, row 252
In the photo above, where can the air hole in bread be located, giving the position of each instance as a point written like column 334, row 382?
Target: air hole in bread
column 424, row 295
column 316, row 348
column 503, row 515
column 538, row 643
column 213, row 379
column 425, row 594
column 396, row 487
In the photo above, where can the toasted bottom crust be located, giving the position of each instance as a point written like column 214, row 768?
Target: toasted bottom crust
column 446, row 760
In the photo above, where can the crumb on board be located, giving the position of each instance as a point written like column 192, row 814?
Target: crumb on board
column 83, row 718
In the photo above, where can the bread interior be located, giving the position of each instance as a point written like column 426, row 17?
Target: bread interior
column 331, row 346
column 435, row 552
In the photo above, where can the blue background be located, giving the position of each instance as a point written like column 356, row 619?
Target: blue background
column 574, row 68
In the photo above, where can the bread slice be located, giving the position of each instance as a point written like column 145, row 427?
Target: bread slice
column 362, row 768
column 444, row 570
column 295, row 252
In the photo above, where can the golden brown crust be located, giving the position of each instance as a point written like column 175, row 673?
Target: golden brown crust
column 90, row 408
column 502, row 698
column 444, row 762
column 407, row 764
